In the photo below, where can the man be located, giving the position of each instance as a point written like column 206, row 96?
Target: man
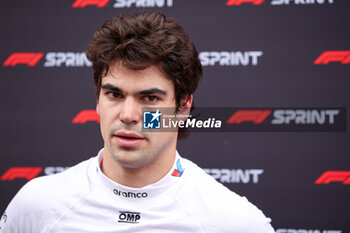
column 137, row 182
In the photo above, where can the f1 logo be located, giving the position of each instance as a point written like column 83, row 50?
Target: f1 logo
column 31, row 59
column 255, row 116
column 334, row 176
column 333, row 56
column 86, row 115
column 239, row 2
column 84, row 3
column 151, row 120
column 27, row 173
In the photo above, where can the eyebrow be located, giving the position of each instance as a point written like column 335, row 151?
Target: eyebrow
column 111, row 88
column 151, row 91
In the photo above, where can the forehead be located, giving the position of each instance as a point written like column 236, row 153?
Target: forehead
column 136, row 79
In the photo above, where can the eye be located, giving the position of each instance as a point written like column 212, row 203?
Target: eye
column 151, row 98
column 113, row 95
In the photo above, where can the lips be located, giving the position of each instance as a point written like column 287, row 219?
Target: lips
column 125, row 139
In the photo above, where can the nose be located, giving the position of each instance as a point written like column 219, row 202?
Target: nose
column 130, row 112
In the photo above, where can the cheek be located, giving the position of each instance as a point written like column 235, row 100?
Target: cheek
column 103, row 127
column 108, row 116
column 162, row 138
column 104, row 121
column 103, row 110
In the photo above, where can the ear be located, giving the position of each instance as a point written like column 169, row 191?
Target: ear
column 188, row 103
column 185, row 106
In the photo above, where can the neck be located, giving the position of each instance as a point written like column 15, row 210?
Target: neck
column 140, row 176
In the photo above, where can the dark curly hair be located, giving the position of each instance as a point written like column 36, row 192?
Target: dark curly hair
column 142, row 39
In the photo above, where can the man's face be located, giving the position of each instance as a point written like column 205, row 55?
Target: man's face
column 123, row 94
